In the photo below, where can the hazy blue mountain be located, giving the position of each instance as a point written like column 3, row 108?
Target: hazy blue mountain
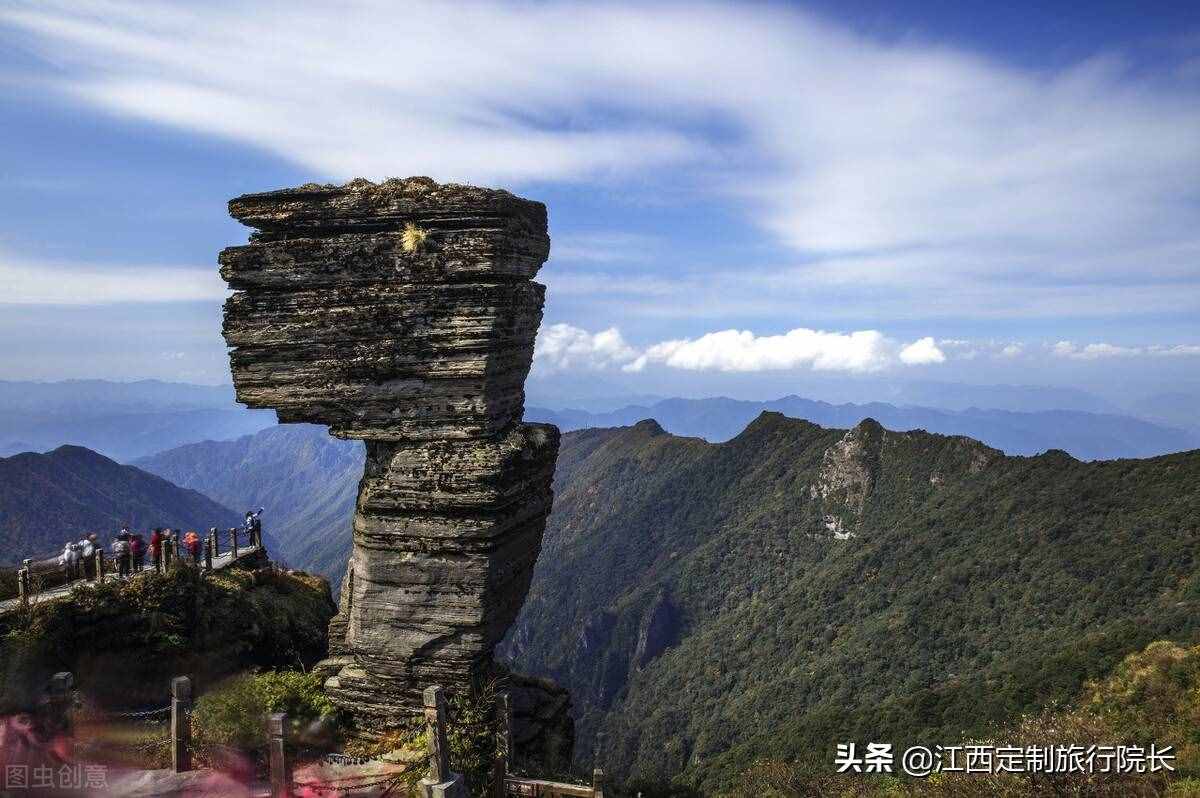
column 120, row 420
column 592, row 404
column 1018, row 398
column 1176, row 409
column 1087, row 436
column 305, row 479
column 103, row 396
column 48, row 499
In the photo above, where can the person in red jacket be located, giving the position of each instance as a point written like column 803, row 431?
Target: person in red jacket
column 137, row 551
column 156, row 544
column 191, row 541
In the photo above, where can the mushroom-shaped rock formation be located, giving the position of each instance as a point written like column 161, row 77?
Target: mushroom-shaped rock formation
column 404, row 314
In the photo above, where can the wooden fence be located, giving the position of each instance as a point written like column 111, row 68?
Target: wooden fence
column 507, row 784
column 440, row 780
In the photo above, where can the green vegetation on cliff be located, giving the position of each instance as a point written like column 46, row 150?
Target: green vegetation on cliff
column 709, row 605
column 1152, row 696
column 124, row 641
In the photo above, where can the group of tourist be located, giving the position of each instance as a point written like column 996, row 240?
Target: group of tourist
column 129, row 549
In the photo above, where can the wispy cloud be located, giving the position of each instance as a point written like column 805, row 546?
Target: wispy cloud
column 25, row 282
column 606, row 247
column 899, row 163
column 1104, row 351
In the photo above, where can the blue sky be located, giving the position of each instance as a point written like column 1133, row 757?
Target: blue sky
column 745, row 199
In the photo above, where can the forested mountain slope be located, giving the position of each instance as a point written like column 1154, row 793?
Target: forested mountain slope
column 48, row 499
column 305, row 479
column 798, row 586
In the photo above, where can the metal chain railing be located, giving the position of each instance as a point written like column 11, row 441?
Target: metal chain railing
column 357, row 783
column 164, row 711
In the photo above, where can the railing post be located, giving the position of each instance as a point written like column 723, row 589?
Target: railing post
column 440, row 783
column 504, row 751
column 281, row 768
column 181, row 728
column 208, row 554
column 598, row 782
column 23, row 585
column 233, row 549
column 59, row 699
column 216, row 541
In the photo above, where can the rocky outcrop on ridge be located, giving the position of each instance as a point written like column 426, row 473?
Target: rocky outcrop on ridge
column 403, row 314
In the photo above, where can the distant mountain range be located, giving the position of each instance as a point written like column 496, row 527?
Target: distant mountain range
column 602, row 397
column 120, row 420
column 308, row 480
column 49, row 499
column 1178, row 409
column 305, row 479
column 127, row 421
column 796, row 586
column 1017, row 398
column 1088, row 436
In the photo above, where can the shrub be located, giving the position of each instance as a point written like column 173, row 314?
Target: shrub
column 234, row 713
column 413, row 237
column 471, row 734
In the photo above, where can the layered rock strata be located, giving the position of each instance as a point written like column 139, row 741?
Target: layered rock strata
column 404, row 314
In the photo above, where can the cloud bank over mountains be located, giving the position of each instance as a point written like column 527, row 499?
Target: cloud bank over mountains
column 565, row 348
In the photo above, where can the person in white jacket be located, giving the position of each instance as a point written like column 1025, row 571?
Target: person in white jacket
column 120, row 549
column 69, row 561
column 64, row 561
column 87, row 556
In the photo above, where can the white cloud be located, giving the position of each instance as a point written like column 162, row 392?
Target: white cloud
column 742, row 350
column 23, row 282
column 923, row 352
column 1101, row 351
column 561, row 347
column 1178, row 350
column 952, row 183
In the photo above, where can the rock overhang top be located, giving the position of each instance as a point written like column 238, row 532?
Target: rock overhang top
column 362, row 203
column 410, row 230
column 401, row 310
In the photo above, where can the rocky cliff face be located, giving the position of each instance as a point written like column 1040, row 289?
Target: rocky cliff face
column 849, row 469
column 403, row 314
